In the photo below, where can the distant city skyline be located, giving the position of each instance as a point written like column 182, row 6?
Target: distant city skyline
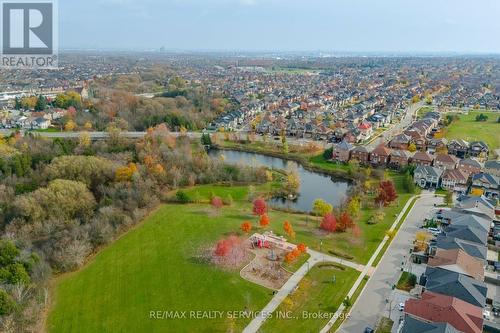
column 357, row 26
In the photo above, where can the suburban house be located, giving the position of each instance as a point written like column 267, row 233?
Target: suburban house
column 469, row 166
column 485, row 184
column 380, row 156
column 492, row 167
column 478, row 251
column 400, row 141
column 434, row 307
column 418, row 138
column 445, row 282
column 454, row 180
column 412, row 325
column 436, row 145
column 422, row 158
column 427, row 176
column 361, row 154
column 445, row 161
column 457, row 260
column 365, row 130
column 479, row 149
column 459, row 148
column 342, row 152
column 477, row 205
column 399, row 159
column 471, row 233
column 40, row 123
column 462, row 217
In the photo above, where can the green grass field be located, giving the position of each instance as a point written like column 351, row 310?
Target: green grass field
column 469, row 129
column 317, row 294
column 154, row 268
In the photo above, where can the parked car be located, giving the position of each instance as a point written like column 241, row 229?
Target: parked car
column 401, row 306
column 486, row 314
column 369, row 330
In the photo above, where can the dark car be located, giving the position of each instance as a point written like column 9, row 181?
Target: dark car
column 369, row 330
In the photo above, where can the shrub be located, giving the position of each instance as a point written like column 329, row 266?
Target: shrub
column 7, row 304
column 182, row 197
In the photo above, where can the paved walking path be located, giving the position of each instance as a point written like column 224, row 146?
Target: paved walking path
column 291, row 284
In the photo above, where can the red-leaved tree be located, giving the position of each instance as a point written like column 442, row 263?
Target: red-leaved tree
column 329, row 223
column 345, row 222
column 259, row 207
column 386, row 193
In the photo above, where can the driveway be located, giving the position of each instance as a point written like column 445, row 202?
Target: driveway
column 373, row 301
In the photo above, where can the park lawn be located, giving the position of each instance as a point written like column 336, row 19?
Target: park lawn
column 467, row 128
column 153, row 267
column 238, row 193
column 316, row 294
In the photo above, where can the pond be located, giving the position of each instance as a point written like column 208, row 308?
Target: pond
column 314, row 185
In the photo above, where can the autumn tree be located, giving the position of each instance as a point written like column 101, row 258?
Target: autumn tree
column 345, row 222
column 70, row 126
column 125, row 173
column 289, row 229
column 302, row 247
column 321, row 207
column 264, row 221
column 329, row 223
column 292, row 183
column 259, row 207
column 246, row 227
column 354, row 206
column 412, row 147
column 386, row 193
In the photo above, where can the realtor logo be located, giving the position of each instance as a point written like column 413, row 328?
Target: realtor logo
column 29, row 34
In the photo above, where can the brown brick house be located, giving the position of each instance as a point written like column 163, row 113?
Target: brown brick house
column 422, row 158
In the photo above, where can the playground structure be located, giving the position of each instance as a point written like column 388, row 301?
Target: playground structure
column 265, row 269
column 269, row 240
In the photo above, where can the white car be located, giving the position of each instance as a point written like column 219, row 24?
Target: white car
column 401, row 306
column 487, row 314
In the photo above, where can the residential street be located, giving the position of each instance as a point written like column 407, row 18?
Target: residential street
column 372, row 303
column 408, row 118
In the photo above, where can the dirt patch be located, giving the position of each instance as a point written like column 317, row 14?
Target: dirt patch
column 265, row 272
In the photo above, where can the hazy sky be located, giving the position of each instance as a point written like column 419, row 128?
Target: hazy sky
column 288, row 25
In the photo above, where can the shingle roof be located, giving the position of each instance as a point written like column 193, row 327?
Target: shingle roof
column 471, row 233
column 414, row 325
column 458, row 261
column 476, row 250
column 456, row 285
column 433, row 307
